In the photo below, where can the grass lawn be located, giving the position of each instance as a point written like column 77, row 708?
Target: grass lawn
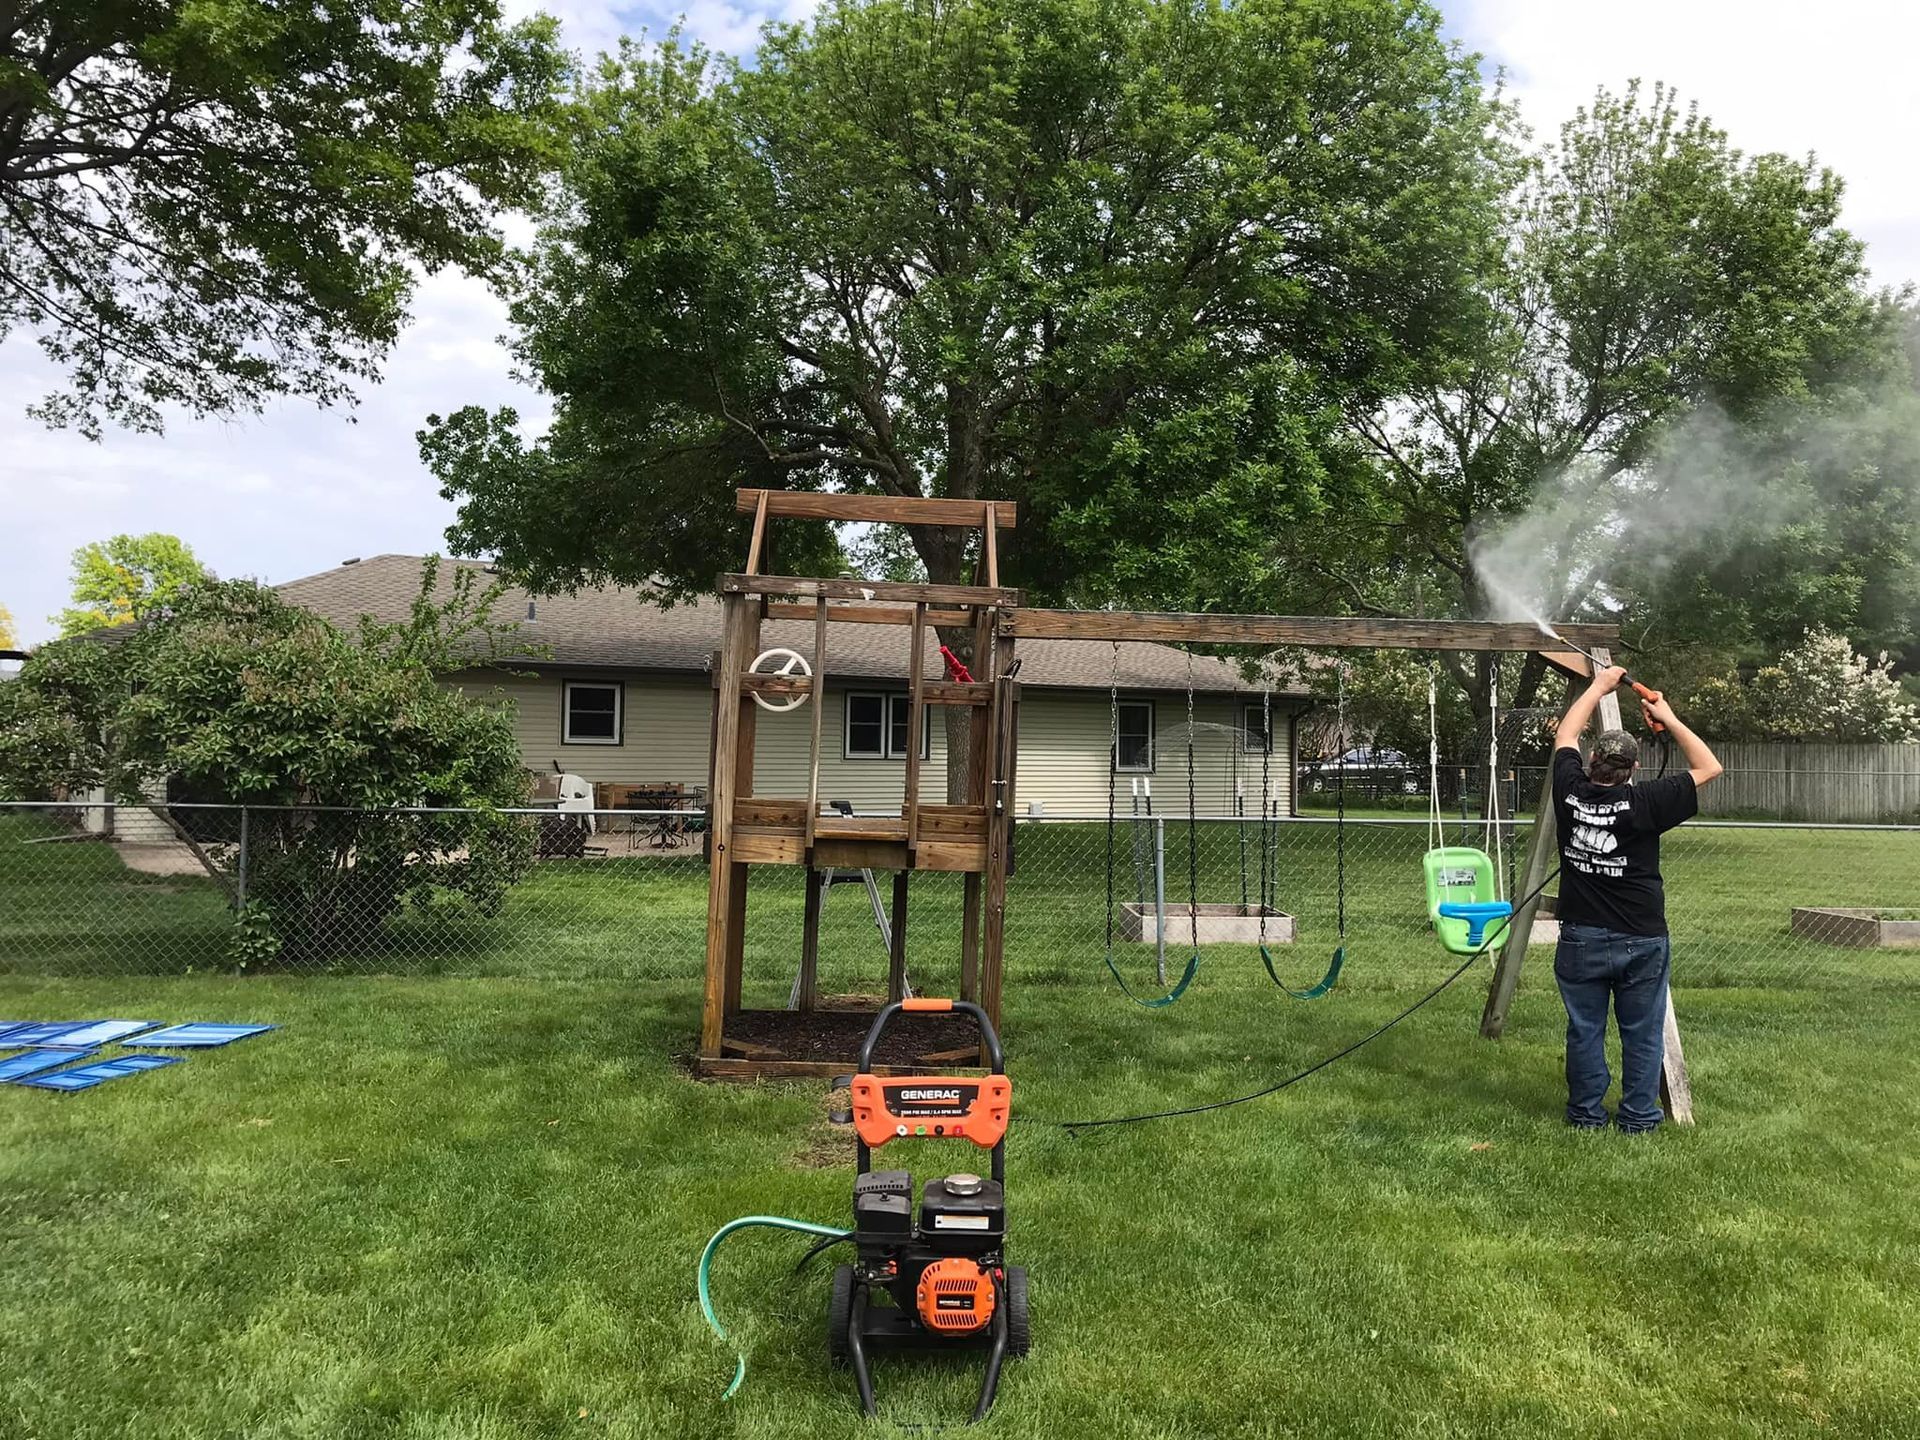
column 470, row 1204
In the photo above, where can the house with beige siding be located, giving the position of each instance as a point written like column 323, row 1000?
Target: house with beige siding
column 616, row 689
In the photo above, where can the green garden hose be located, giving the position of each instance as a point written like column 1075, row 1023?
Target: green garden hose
column 777, row 1222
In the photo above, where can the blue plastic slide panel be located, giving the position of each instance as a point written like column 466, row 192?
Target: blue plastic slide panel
column 7, row 1027
column 199, row 1036
column 85, row 1077
column 32, row 1062
column 101, row 1032
column 47, row 1034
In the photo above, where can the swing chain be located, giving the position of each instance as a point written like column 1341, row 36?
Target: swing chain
column 1113, row 767
column 1193, row 826
column 1340, row 824
column 1267, row 833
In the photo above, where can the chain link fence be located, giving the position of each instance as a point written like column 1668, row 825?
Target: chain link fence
column 101, row 891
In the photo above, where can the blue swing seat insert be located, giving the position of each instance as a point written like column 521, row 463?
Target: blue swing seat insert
column 1477, row 914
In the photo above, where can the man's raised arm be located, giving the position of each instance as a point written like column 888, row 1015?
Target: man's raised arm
column 1702, row 763
column 1573, row 724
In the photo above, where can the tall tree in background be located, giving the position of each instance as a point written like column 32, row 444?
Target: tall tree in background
column 118, row 581
column 205, row 203
column 1651, row 271
column 1122, row 261
column 9, row 638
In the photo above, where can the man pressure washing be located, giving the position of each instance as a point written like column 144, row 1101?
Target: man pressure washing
column 1614, row 947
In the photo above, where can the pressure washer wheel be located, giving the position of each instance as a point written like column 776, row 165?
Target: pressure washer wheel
column 1019, row 1327
column 839, row 1313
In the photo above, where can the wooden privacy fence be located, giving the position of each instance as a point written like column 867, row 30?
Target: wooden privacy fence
column 1816, row 782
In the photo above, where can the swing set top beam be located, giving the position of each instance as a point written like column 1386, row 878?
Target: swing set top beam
column 1312, row 631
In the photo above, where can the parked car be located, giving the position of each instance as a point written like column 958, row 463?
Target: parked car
column 1367, row 755
column 1366, row 768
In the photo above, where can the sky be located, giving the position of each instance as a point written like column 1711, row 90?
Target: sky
column 296, row 489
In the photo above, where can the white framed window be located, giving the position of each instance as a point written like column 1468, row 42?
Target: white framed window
column 1255, row 737
column 876, row 726
column 1133, row 746
column 592, row 712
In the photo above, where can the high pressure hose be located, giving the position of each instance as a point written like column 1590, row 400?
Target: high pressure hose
column 1496, row 932
column 775, row 1222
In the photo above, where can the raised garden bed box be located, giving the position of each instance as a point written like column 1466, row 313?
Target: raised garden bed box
column 1864, row 929
column 1220, row 924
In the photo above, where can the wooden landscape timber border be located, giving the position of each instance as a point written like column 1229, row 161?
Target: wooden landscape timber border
column 975, row 836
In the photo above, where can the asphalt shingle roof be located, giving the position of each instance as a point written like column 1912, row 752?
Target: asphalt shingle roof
column 620, row 628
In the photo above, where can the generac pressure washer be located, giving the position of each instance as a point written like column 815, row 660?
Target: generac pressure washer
column 928, row 1276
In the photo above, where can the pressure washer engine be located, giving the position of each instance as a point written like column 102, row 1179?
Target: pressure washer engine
column 935, row 1275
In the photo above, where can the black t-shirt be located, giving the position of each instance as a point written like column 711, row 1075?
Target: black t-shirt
column 1610, row 845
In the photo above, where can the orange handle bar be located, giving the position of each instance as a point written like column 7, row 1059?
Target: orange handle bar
column 1646, row 692
column 925, row 1002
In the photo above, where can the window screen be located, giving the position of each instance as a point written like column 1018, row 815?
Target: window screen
column 866, row 727
column 1135, row 749
column 874, row 721
column 1254, row 736
column 592, row 713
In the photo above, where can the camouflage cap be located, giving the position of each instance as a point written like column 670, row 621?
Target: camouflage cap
column 1617, row 745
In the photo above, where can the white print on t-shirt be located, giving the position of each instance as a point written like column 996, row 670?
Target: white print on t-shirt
column 1590, row 837
column 1593, row 844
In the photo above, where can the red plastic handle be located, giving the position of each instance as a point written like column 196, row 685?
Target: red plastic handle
column 1648, row 693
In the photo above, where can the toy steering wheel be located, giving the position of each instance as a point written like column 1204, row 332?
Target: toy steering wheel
column 795, row 661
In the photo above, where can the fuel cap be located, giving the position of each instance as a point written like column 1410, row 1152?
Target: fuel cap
column 963, row 1184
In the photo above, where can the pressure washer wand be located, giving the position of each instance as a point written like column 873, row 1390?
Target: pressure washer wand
column 1645, row 692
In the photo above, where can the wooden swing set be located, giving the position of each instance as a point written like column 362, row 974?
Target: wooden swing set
column 972, row 836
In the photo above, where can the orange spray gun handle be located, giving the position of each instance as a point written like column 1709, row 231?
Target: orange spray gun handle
column 1648, row 693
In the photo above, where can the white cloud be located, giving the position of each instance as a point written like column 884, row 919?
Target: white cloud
column 292, row 491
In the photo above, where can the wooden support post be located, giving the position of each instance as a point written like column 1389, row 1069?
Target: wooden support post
column 970, row 936
column 819, row 705
column 978, row 791
column 897, row 956
column 759, row 534
column 810, row 941
column 1676, row 1085
column 1000, row 818
column 744, row 732
column 916, row 726
column 720, row 792
column 1541, row 853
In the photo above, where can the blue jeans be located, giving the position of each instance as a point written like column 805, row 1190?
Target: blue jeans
column 1595, row 966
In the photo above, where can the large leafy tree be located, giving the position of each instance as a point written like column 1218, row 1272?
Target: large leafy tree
column 8, row 639
column 206, row 203
column 1652, row 274
column 1123, row 261
column 120, row 580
